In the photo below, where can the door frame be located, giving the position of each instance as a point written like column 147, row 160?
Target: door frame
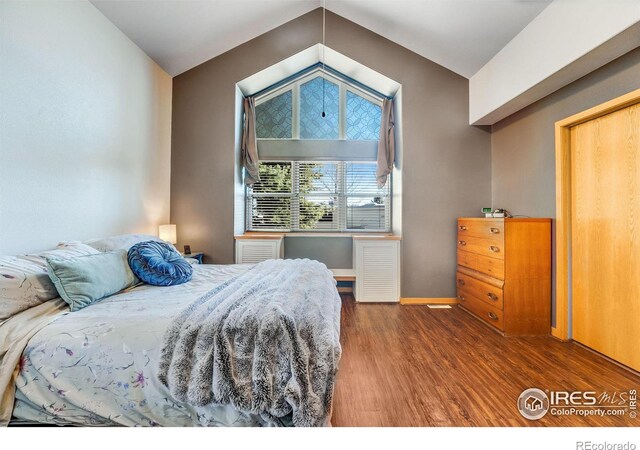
column 563, row 201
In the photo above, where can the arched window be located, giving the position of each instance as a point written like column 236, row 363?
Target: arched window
column 321, row 186
column 294, row 110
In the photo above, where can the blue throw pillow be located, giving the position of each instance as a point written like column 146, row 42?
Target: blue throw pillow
column 159, row 264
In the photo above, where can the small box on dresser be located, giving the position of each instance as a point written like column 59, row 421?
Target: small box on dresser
column 504, row 273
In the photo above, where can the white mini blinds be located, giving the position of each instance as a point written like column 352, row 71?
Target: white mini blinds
column 318, row 196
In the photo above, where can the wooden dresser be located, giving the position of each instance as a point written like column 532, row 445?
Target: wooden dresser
column 504, row 273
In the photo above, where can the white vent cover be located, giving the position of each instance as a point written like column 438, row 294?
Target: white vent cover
column 377, row 265
column 251, row 251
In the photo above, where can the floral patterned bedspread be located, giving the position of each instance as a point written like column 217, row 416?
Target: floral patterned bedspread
column 98, row 366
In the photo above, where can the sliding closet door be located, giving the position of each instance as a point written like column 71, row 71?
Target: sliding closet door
column 605, row 234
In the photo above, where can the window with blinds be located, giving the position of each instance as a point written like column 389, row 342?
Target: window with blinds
column 318, row 196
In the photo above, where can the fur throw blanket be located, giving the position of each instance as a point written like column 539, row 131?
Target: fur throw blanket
column 267, row 342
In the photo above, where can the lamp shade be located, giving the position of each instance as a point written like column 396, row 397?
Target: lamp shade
column 168, row 233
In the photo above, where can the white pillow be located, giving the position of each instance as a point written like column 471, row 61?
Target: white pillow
column 64, row 250
column 23, row 284
column 121, row 242
column 24, row 281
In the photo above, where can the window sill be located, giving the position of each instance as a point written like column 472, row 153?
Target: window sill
column 345, row 234
column 298, row 234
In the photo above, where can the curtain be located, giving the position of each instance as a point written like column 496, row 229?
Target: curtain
column 249, row 143
column 386, row 143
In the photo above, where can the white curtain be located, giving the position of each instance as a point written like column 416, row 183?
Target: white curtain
column 386, row 143
column 249, row 143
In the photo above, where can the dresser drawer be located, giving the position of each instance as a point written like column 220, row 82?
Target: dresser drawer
column 493, row 248
column 489, row 294
column 493, row 267
column 467, row 259
column 481, row 228
column 493, row 316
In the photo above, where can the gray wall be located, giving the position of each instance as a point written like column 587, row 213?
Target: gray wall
column 523, row 146
column 334, row 252
column 85, row 123
column 447, row 164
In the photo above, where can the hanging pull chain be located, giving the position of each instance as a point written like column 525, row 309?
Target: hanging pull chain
column 323, row 52
column 323, row 81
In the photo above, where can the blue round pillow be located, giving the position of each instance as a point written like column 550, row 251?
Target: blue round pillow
column 159, row 264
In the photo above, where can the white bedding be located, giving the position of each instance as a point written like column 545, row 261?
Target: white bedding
column 98, row 366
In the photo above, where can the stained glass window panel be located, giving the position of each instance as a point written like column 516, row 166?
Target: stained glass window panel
column 363, row 118
column 273, row 117
column 312, row 124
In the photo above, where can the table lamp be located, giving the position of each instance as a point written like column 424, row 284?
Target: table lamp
column 168, row 233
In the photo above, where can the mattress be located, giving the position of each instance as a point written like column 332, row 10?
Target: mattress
column 98, row 366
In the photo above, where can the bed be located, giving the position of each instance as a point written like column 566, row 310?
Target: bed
column 100, row 366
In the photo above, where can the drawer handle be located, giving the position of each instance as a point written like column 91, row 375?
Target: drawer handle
column 495, row 230
column 492, row 296
column 463, row 243
column 462, row 228
column 494, row 249
column 461, row 298
column 460, row 281
column 492, row 316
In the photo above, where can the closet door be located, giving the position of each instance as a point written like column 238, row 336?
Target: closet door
column 605, row 234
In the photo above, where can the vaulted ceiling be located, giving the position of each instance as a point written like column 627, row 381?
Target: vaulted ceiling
column 461, row 35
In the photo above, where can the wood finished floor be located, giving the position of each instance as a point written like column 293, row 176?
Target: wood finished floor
column 415, row 366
